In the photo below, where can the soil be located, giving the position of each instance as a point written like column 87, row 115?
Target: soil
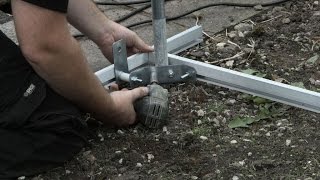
column 198, row 141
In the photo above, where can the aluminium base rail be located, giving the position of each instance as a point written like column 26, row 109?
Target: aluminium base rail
column 242, row 82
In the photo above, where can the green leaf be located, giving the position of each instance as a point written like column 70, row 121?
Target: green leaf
column 241, row 122
column 298, row 84
column 259, row 100
column 313, row 60
column 250, row 71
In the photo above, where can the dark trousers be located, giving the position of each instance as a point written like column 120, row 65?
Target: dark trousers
column 39, row 129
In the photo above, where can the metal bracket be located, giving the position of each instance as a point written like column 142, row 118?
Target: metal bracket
column 147, row 75
column 163, row 75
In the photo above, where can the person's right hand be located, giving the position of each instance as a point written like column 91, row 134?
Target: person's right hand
column 125, row 114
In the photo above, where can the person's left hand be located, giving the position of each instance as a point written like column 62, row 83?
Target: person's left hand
column 134, row 43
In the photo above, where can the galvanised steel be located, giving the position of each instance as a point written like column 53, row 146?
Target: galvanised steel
column 159, row 33
column 176, row 44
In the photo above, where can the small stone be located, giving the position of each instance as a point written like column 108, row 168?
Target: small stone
column 164, row 129
column 120, row 132
column 242, row 163
column 277, row 9
column 68, row 171
column 194, row 177
column 231, row 102
column 249, row 154
column 232, row 34
column 175, row 142
column 121, row 161
column 199, row 122
column 288, row 142
column 234, row 142
column 221, row 45
column 230, row 63
column 200, row 113
column 139, row 165
column 316, row 3
column 235, row 178
column 21, row 178
column 258, row 7
column 268, row 134
column 286, row 21
column 150, row 157
column 118, row 152
column 242, row 27
column 203, row 138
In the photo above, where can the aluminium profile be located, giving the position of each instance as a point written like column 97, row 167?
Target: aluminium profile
column 272, row 90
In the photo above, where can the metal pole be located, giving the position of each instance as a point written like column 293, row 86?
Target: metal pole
column 159, row 32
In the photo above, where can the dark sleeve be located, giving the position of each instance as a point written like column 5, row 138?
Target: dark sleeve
column 55, row 5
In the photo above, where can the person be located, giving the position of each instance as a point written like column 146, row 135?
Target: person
column 46, row 83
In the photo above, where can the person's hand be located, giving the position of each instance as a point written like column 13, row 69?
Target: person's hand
column 125, row 114
column 134, row 43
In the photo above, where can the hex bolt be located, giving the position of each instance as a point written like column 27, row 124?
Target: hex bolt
column 136, row 79
column 171, row 73
column 185, row 75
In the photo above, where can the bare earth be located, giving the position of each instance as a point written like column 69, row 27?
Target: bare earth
column 216, row 133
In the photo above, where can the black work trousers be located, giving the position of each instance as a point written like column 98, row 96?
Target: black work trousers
column 39, row 129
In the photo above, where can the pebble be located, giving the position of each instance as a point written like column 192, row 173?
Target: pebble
column 316, row 2
column 288, row 142
column 249, row 154
column 286, row 21
column 242, row 27
column 120, row 132
column 200, row 113
column 118, row 152
column 21, row 178
column 199, row 122
column 234, row 142
column 194, row 177
column 203, row 138
column 231, row 102
column 221, row 45
column 232, row 34
column 121, row 161
column 235, row 178
column 277, row 9
column 139, row 165
column 268, row 134
column 164, row 129
column 68, row 171
column 258, row 7
column 150, row 157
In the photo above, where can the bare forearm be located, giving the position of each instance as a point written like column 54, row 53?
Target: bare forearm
column 55, row 55
column 85, row 16
column 66, row 71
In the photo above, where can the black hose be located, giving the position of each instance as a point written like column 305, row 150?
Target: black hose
column 122, row 3
column 210, row 5
column 133, row 13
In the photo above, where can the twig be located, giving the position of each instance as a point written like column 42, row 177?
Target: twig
column 270, row 19
column 227, row 59
column 230, row 42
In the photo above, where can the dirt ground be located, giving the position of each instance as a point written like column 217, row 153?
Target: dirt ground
column 216, row 133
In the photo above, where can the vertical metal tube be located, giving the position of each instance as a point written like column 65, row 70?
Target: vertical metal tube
column 159, row 32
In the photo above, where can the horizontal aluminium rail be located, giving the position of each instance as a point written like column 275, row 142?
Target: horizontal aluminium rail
column 254, row 85
column 268, row 89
